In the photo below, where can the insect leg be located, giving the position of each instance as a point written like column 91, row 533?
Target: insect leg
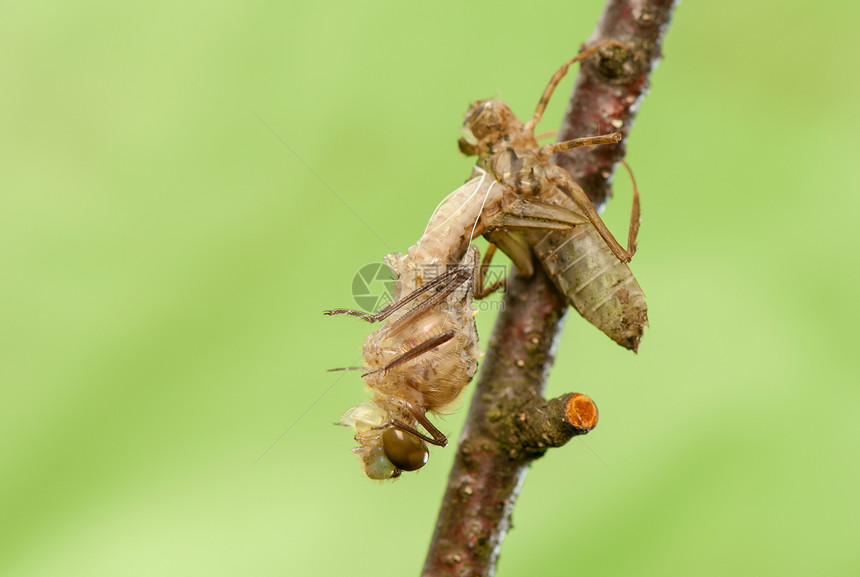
column 578, row 195
column 635, row 216
column 480, row 290
column 548, row 150
column 516, row 249
column 415, row 351
column 546, row 134
column 454, row 278
column 438, row 437
column 522, row 214
column 393, row 307
column 526, row 213
column 556, row 78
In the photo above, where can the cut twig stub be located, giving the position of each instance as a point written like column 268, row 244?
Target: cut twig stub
column 545, row 424
column 581, row 412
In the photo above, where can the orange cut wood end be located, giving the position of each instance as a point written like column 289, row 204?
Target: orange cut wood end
column 581, row 412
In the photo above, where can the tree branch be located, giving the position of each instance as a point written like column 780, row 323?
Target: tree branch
column 609, row 90
column 509, row 423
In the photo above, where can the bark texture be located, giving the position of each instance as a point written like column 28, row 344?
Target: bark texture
column 610, row 89
column 509, row 423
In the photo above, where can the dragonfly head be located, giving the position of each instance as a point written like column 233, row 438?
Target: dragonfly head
column 385, row 452
column 487, row 122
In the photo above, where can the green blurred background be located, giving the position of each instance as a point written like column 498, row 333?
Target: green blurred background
column 165, row 261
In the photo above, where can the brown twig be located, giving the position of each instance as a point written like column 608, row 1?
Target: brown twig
column 509, row 423
column 610, row 89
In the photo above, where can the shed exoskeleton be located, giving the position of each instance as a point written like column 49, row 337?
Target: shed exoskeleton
column 585, row 261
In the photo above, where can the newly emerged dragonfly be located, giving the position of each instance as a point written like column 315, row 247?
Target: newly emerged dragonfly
column 426, row 350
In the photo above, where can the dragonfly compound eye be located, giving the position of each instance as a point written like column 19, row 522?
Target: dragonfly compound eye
column 377, row 466
column 404, row 450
